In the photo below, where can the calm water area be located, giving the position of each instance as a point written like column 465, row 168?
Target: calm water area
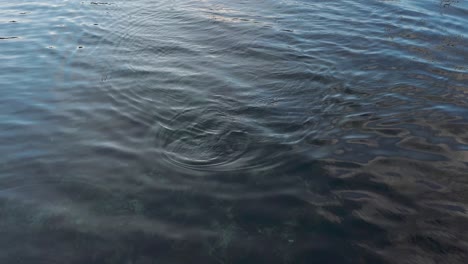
column 209, row 131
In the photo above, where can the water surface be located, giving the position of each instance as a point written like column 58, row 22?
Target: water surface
column 268, row 131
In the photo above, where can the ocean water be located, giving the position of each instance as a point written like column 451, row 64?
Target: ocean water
column 209, row 131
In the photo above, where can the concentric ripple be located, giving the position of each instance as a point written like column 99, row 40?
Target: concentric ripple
column 206, row 139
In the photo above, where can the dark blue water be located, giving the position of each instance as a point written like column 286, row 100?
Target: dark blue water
column 157, row 131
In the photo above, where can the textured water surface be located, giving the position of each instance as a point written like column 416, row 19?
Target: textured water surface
column 209, row 131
